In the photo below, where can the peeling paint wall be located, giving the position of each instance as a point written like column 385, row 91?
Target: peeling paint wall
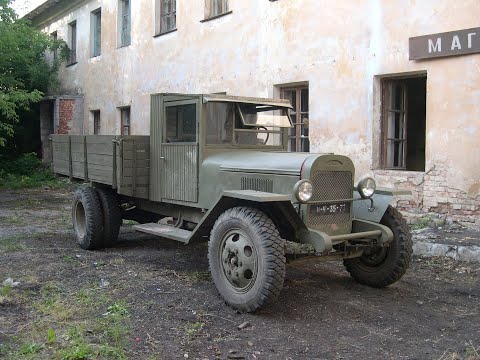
column 342, row 49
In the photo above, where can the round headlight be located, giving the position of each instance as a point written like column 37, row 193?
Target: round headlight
column 303, row 190
column 366, row 187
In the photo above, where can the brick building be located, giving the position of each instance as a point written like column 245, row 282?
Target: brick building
column 394, row 85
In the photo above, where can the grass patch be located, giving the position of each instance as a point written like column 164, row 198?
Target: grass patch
column 194, row 329
column 198, row 276
column 11, row 244
column 427, row 221
column 27, row 171
column 67, row 326
column 11, row 220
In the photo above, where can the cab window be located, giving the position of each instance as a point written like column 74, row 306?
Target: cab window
column 181, row 123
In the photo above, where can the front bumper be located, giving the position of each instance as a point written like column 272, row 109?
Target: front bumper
column 362, row 232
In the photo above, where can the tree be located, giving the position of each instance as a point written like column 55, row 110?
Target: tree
column 26, row 74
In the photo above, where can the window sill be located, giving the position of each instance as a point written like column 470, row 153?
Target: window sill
column 164, row 33
column 71, row 64
column 216, row 17
column 390, row 171
column 123, row 46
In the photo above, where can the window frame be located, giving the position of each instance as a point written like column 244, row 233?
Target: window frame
column 54, row 37
column 160, row 14
column 387, row 86
column 211, row 7
column 123, row 111
column 124, row 32
column 234, row 130
column 96, row 31
column 72, row 38
column 180, row 103
column 298, row 127
column 96, row 122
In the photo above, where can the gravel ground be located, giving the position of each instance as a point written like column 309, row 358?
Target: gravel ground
column 170, row 310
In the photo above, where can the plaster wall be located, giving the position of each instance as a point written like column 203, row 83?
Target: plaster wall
column 342, row 49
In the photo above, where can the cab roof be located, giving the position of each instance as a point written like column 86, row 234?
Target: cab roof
column 283, row 103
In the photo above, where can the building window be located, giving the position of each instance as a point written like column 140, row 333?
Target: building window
column 125, row 120
column 215, row 8
column 96, row 122
column 96, row 26
column 298, row 135
column 403, row 123
column 72, row 37
column 54, row 38
column 166, row 16
column 124, row 21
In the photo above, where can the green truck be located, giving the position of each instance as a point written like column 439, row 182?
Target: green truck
column 218, row 168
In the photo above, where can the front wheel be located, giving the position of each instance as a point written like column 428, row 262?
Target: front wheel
column 247, row 258
column 382, row 266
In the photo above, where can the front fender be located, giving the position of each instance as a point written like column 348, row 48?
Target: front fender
column 381, row 199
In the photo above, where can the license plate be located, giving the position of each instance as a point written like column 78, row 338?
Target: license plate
column 329, row 209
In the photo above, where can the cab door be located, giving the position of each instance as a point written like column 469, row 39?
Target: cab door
column 179, row 151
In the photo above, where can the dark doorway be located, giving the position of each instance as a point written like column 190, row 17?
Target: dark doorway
column 403, row 123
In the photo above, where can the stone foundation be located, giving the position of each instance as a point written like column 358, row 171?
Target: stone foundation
column 431, row 194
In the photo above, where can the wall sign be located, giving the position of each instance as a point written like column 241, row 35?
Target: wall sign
column 451, row 43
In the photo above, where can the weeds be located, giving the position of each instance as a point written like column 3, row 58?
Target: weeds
column 10, row 244
column 193, row 329
column 198, row 276
column 6, row 291
column 27, row 171
column 427, row 221
column 11, row 220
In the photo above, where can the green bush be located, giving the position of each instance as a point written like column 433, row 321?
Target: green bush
column 26, row 171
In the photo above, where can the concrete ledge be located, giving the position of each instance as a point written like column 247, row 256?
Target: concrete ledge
column 463, row 253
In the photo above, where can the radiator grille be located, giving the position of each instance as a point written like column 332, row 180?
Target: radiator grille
column 330, row 185
column 257, row 184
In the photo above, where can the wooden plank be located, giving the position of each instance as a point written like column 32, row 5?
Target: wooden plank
column 128, row 172
column 139, row 164
column 100, row 149
column 140, row 192
column 101, row 160
column 140, row 155
column 140, row 180
column 100, row 139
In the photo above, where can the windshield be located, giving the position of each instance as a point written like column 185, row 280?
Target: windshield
column 261, row 115
column 245, row 124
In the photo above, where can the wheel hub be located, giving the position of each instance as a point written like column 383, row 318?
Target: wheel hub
column 239, row 260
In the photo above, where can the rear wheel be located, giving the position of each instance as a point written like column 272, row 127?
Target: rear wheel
column 382, row 266
column 247, row 258
column 87, row 219
column 112, row 216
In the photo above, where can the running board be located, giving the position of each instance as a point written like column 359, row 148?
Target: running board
column 165, row 231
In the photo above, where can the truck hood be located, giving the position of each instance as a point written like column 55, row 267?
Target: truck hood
column 251, row 161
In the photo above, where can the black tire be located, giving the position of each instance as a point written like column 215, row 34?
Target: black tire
column 112, row 216
column 87, row 219
column 247, row 258
column 384, row 266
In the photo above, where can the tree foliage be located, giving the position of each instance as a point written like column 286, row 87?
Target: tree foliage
column 26, row 72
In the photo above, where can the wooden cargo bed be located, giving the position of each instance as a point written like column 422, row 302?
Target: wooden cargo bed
column 123, row 162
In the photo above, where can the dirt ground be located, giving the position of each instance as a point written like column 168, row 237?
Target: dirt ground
column 150, row 298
